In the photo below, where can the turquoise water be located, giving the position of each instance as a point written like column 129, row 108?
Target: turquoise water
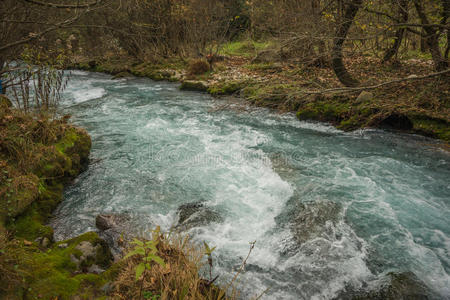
column 156, row 148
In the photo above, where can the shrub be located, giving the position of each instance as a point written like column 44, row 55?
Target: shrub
column 198, row 67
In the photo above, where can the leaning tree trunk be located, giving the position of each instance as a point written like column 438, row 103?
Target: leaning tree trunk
column 445, row 17
column 350, row 11
column 432, row 39
column 403, row 18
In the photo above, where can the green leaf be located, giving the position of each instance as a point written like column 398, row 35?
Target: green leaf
column 156, row 259
column 136, row 251
column 139, row 270
column 137, row 242
column 160, row 261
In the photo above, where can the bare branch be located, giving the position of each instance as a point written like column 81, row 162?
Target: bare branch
column 58, row 5
column 40, row 34
column 372, row 87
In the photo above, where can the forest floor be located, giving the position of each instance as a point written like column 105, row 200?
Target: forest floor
column 247, row 70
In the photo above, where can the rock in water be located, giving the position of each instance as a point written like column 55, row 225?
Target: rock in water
column 114, row 230
column 398, row 286
column 105, row 222
column 310, row 219
column 196, row 214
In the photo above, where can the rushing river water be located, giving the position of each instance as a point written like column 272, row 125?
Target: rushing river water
column 329, row 210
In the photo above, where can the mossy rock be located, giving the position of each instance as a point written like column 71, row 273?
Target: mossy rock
column 76, row 144
column 194, row 86
column 52, row 274
column 93, row 248
column 224, row 88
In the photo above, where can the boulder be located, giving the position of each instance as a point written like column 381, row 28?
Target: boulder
column 309, row 220
column 365, row 96
column 91, row 253
column 396, row 286
column 196, row 214
column 191, row 85
column 106, row 221
column 113, row 229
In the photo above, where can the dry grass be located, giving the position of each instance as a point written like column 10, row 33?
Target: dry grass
column 179, row 279
column 21, row 134
column 9, row 276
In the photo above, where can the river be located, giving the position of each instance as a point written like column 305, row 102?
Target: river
column 329, row 210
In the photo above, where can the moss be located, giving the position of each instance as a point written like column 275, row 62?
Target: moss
column 264, row 66
column 76, row 144
column 431, row 127
column 225, row 88
column 53, row 271
column 23, row 190
column 245, row 48
column 194, row 86
column 30, row 226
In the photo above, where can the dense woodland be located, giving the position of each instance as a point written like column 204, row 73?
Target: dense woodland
column 313, row 33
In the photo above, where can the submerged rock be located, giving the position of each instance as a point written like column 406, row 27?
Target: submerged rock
column 397, row 286
column 114, row 229
column 310, row 219
column 196, row 214
column 105, row 222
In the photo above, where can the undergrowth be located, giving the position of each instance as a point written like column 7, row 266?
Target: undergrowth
column 168, row 266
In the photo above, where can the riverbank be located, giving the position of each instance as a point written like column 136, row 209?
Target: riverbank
column 259, row 78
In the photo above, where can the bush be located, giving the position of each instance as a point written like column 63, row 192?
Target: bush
column 198, row 67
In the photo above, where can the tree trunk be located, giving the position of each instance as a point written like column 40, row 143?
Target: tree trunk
column 445, row 16
column 350, row 11
column 432, row 39
column 403, row 18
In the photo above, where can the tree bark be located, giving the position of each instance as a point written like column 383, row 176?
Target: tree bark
column 350, row 11
column 445, row 17
column 399, row 34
